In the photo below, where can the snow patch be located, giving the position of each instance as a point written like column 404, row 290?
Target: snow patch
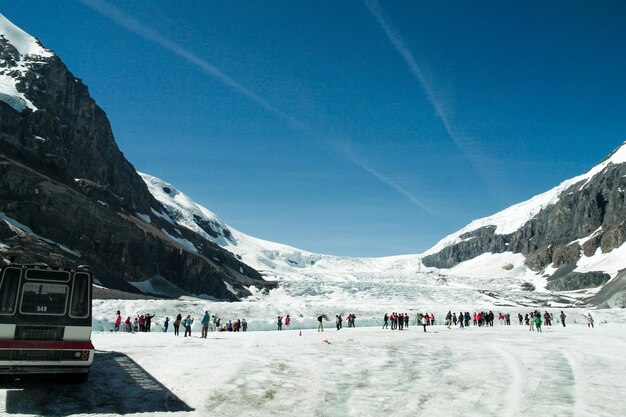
column 144, row 217
column 230, row 288
column 23, row 230
column 184, row 242
column 610, row 263
column 157, row 285
column 163, row 216
column 22, row 41
column 30, row 52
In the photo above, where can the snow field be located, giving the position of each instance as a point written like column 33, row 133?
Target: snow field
column 367, row 372
column 500, row 371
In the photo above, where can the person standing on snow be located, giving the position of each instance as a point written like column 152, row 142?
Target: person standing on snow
column 563, row 318
column 538, row 322
column 205, row 324
column 320, row 325
column 589, row 320
column 279, row 322
column 187, row 323
column 177, row 322
column 287, row 321
column 386, row 321
column 244, row 325
column 166, row 324
column 149, row 321
column 117, row 321
column 419, row 318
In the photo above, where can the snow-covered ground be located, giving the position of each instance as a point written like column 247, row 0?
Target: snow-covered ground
column 500, row 371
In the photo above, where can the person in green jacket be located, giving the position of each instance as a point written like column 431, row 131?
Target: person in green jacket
column 187, row 323
column 205, row 324
column 538, row 322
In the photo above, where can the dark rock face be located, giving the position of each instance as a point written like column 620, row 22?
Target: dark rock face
column 63, row 176
column 613, row 294
column 577, row 280
column 596, row 206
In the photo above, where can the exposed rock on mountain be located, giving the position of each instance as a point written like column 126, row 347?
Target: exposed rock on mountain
column 559, row 232
column 68, row 196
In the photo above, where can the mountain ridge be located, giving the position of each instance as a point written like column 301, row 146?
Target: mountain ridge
column 65, row 184
column 67, row 194
column 554, row 260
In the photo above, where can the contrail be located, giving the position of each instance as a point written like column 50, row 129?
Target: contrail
column 385, row 180
column 126, row 21
column 398, row 42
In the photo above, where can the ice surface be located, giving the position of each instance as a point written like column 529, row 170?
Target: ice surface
column 502, row 371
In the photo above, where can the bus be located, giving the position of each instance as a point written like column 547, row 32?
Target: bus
column 45, row 321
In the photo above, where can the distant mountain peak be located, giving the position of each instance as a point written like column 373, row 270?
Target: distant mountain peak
column 20, row 53
column 22, row 41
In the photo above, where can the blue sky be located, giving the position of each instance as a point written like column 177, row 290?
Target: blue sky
column 355, row 128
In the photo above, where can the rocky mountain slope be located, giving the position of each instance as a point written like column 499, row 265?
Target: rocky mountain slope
column 68, row 196
column 565, row 245
column 573, row 234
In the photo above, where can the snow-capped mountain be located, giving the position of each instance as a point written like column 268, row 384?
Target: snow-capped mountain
column 20, row 54
column 270, row 258
column 573, row 234
column 568, row 240
column 68, row 195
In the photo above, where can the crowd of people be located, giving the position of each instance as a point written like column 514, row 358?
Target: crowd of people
column 143, row 323
column 394, row 321
column 534, row 320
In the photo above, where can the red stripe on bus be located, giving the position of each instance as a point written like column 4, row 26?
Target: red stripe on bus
column 45, row 344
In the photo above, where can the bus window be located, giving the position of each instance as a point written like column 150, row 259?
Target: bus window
column 43, row 299
column 47, row 275
column 8, row 290
column 80, row 296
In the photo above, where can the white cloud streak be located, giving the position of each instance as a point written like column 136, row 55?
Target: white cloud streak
column 394, row 36
column 128, row 22
column 385, row 180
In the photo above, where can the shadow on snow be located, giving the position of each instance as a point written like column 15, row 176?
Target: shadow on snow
column 117, row 385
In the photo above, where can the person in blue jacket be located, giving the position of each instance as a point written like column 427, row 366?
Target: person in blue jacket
column 187, row 323
column 205, row 324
